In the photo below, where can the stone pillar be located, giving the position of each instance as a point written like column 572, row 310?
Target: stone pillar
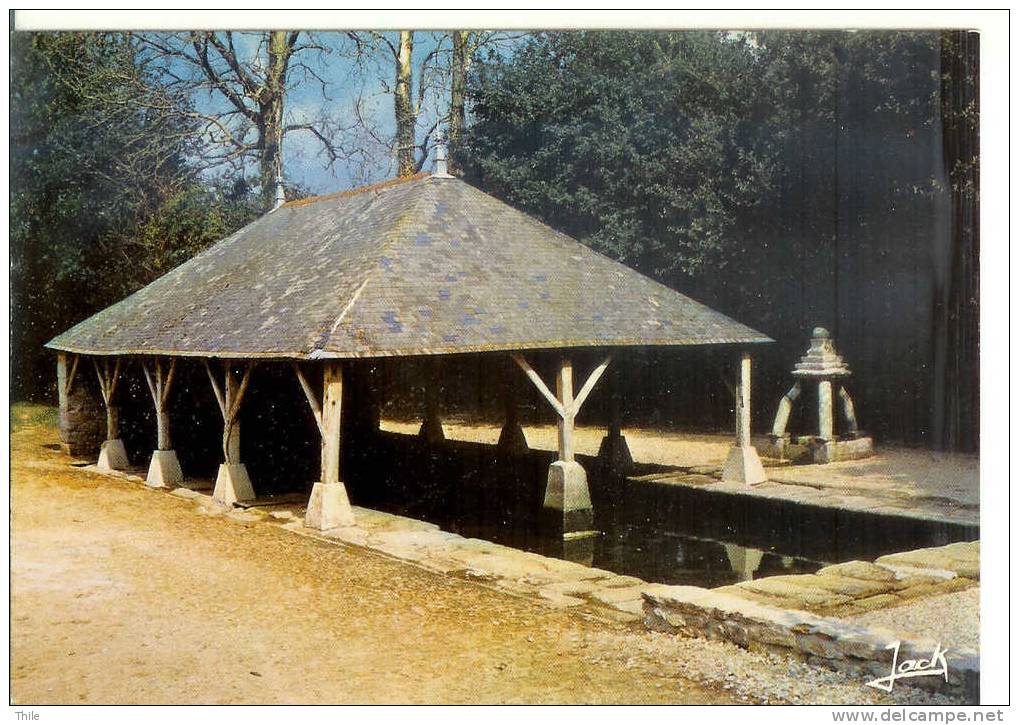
column 825, row 412
column 743, row 465
column 81, row 426
column 329, row 506
column 567, row 496
column 849, row 412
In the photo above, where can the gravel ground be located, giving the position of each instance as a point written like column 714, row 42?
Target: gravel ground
column 749, row 677
column 952, row 619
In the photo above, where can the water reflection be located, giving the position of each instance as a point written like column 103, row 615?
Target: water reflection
column 661, row 533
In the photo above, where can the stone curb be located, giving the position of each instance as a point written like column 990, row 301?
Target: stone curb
column 838, row 645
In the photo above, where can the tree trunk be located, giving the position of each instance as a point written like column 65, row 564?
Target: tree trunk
column 458, row 92
column 406, row 119
column 270, row 104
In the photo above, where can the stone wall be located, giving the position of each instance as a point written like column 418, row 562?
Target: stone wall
column 764, row 616
column 82, row 416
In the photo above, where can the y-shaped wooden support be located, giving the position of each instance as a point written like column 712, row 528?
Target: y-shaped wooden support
column 112, row 454
column 566, row 492
column 164, row 468
column 328, row 506
column 232, row 482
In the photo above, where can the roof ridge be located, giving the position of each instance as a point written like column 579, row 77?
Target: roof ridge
column 358, row 190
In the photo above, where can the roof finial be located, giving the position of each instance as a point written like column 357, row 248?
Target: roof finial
column 280, row 192
column 441, row 169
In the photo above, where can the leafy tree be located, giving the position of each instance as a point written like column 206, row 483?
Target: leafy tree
column 640, row 144
column 100, row 203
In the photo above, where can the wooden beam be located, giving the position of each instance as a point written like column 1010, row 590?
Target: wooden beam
column 102, row 381
column 116, row 377
column 592, row 380
column 539, row 383
column 150, row 382
column 235, row 403
column 848, row 411
column 215, row 389
column 785, row 408
column 316, row 408
column 69, row 383
column 165, row 393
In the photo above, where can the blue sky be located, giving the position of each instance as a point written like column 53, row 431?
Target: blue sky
column 341, row 83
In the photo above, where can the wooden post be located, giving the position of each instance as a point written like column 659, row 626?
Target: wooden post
column 743, row 465
column 164, row 468
column 108, row 379
column 563, row 401
column 564, row 392
column 511, row 438
column 112, row 454
column 232, row 481
column 614, row 451
column 332, row 399
column 160, row 382
column 328, row 505
column 232, row 426
column 229, row 399
column 567, row 498
column 615, row 421
column 743, row 402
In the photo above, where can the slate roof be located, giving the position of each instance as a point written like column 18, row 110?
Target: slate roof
column 426, row 265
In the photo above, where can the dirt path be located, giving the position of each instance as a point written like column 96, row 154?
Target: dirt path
column 125, row 595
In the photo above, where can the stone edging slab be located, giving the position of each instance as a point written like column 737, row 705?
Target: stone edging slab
column 818, row 640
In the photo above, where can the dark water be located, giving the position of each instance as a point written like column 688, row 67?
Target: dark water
column 660, row 533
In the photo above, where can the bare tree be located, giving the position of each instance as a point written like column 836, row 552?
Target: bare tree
column 235, row 85
column 459, row 65
column 416, row 87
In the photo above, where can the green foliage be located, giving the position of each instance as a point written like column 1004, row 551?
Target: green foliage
column 631, row 141
column 668, row 151
column 103, row 198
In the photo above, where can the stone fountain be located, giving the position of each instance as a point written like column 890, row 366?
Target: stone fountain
column 824, row 366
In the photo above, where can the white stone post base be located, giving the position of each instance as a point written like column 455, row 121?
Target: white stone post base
column 232, row 484
column 743, row 466
column 328, row 507
column 112, row 456
column 164, row 470
column 567, row 496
